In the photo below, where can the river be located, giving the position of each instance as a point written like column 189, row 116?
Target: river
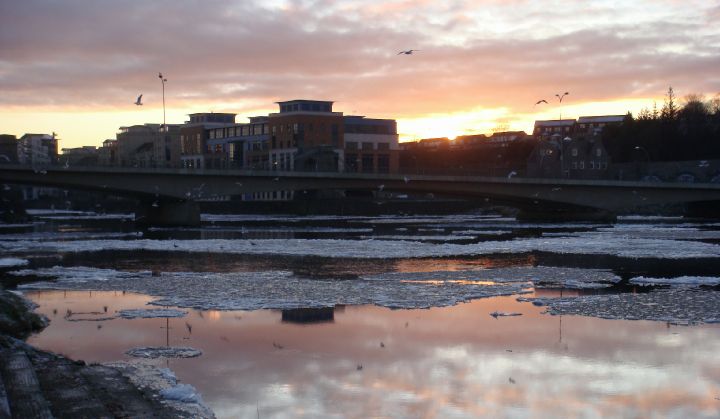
column 470, row 315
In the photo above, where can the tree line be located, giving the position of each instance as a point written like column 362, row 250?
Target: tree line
column 678, row 131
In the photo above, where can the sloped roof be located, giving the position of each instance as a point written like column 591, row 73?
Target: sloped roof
column 600, row 119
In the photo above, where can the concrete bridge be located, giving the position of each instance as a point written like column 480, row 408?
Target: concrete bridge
column 169, row 195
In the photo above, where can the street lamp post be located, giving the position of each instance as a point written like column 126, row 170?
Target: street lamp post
column 163, row 80
column 560, row 99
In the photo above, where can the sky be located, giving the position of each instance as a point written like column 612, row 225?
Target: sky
column 75, row 67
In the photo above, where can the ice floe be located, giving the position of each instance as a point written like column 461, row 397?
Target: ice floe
column 650, row 217
column 233, row 218
column 481, row 232
column 587, row 243
column 3, row 225
column 679, row 281
column 415, row 237
column 164, row 352
column 69, row 236
column 497, row 314
column 539, row 276
column 674, row 305
column 151, row 313
column 279, row 289
column 658, row 232
column 12, row 262
column 50, row 214
column 284, row 290
column 80, row 274
column 183, row 398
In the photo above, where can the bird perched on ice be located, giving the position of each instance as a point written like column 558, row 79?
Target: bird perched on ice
column 407, row 52
column 138, row 102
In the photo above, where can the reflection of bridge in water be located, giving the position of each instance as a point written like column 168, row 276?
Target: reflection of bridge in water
column 169, row 195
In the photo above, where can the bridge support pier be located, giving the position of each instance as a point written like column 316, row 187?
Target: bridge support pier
column 168, row 214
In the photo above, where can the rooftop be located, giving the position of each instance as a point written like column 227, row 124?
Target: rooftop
column 555, row 123
column 600, row 119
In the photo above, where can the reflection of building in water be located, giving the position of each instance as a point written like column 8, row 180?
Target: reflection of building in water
column 309, row 315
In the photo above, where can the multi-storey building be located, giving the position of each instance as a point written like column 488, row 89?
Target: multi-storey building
column 306, row 135
column 79, row 156
column 107, row 154
column 239, row 146
column 194, row 135
column 560, row 127
column 38, row 149
column 571, row 149
column 8, row 149
column 131, row 138
column 371, row 145
column 593, row 125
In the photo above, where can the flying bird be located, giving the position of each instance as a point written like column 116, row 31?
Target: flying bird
column 407, row 52
column 540, row 101
column 139, row 101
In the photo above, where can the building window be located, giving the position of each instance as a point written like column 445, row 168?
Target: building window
column 582, row 165
column 368, row 164
column 598, row 152
column 351, row 145
column 383, row 163
column 367, row 146
column 574, row 152
column 383, row 147
column 351, row 163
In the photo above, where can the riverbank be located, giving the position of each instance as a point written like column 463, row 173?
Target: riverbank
column 40, row 384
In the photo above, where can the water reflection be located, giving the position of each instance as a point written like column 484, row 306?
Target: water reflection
column 369, row 361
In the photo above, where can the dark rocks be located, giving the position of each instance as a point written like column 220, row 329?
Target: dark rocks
column 16, row 319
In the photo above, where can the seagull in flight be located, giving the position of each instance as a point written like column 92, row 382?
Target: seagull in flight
column 541, row 101
column 139, row 101
column 407, row 52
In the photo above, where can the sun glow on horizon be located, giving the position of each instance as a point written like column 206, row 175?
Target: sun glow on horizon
column 78, row 128
column 487, row 121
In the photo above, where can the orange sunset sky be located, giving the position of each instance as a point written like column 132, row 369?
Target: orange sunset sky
column 75, row 67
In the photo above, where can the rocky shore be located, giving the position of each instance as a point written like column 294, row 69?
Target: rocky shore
column 39, row 384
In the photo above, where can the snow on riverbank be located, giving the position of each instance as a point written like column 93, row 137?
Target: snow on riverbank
column 151, row 313
column 184, row 398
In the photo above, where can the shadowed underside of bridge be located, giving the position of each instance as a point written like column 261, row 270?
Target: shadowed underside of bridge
column 169, row 193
